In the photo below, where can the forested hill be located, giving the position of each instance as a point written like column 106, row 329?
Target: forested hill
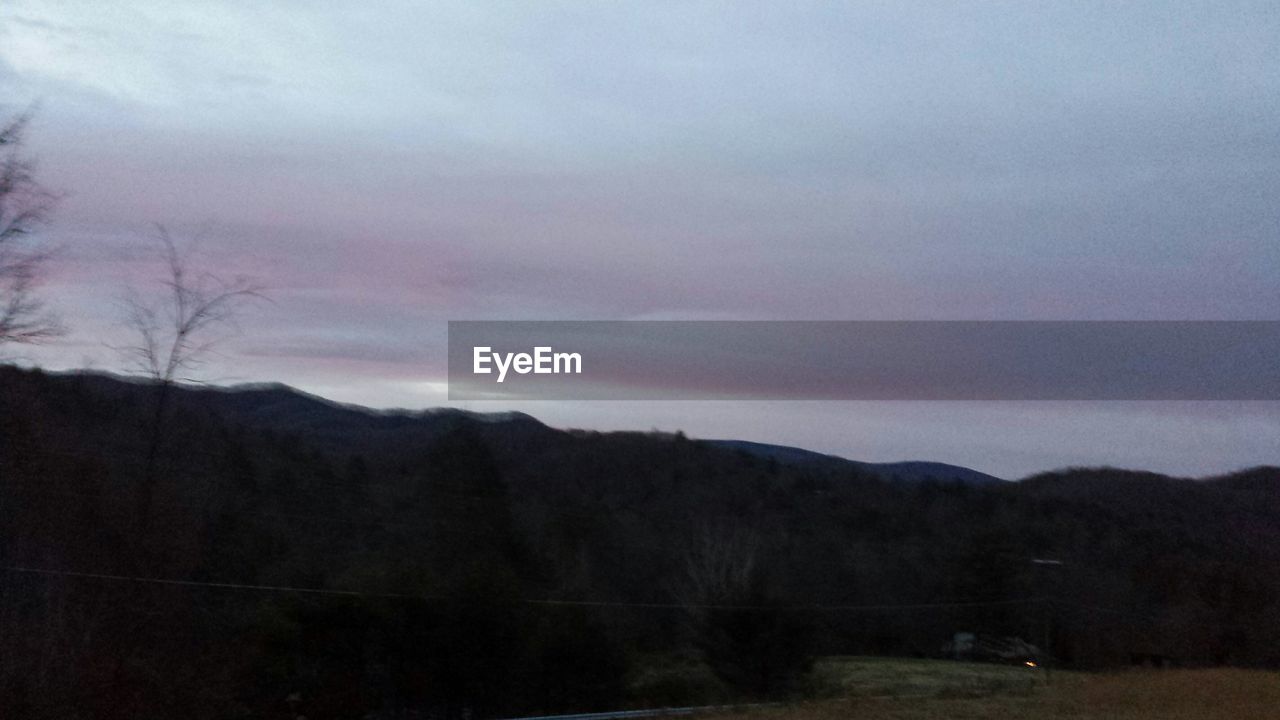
column 908, row 471
column 284, row 409
column 377, row 561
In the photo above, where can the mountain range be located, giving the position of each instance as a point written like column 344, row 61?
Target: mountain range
column 285, row 408
column 356, row 554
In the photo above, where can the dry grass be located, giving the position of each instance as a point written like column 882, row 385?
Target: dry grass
column 883, row 677
column 932, row 690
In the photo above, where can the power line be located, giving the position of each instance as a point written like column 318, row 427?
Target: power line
column 384, row 524
column 199, row 583
column 526, row 601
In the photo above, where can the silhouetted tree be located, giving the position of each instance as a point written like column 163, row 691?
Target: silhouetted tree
column 747, row 635
column 175, row 334
column 24, row 207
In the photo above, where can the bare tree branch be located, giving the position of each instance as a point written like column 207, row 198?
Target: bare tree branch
column 173, row 337
column 172, row 331
column 720, row 566
column 24, row 207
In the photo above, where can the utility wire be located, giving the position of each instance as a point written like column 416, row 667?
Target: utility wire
column 526, row 601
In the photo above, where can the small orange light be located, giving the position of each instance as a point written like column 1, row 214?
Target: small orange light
column 1030, row 664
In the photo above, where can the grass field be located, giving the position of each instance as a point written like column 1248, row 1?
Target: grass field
column 877, row 689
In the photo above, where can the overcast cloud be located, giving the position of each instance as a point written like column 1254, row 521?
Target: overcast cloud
column 385, row 167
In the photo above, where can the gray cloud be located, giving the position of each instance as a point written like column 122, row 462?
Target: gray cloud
column 387, row 168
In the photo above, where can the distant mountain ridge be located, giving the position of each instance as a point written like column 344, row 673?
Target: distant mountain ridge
column 282, row 407
column 907, row 471
column 285, row 407
column 279, row 406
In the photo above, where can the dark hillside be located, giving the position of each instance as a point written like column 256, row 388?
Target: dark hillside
column 488, row 564
column 911, row 471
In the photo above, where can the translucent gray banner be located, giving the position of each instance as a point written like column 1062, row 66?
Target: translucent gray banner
column 776, row 360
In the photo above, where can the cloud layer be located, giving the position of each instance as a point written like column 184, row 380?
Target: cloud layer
column 386, row 169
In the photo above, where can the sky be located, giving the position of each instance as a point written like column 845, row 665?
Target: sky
column 383, row 168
